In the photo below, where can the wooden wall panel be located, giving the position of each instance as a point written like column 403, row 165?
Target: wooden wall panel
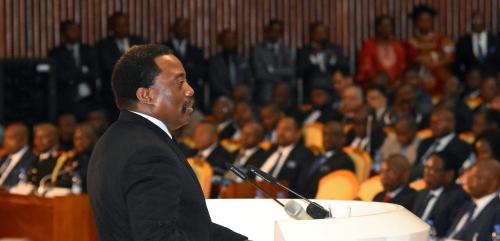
column 29, row 28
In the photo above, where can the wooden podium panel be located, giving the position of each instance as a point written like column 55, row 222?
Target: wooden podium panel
column 247, row 190
column 47, row 219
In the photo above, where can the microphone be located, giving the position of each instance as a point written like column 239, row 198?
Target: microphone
column 292, row 208
column 313, row 209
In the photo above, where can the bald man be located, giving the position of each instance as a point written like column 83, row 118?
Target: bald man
column 45, row 141
column 394, row 174
column 19, row 156
column 476, row 219
column 250, row 153
column 332, row 160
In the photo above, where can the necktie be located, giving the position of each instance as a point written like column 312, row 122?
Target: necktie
column 460, row 235
column 274, row 171
column 480, row 53
column 387, row 198
column 4, row 166
column 316, row 164
column 76, row 55
column 232, row 71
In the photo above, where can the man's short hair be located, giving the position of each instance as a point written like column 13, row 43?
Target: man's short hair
column 136, row 69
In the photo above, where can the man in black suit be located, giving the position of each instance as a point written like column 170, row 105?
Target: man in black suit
column 109, row 51
column 140, row 185
column 442, row 198
column 76, row 71
column 269, row 115
column 442, row 124
column 477, row 50
column 332, row 160
column 19, row 156
column 394, row 175
column 249, row 153
column 46, row 145
column 222, row 114
column 477, row 218
column 363, row 134
column 286, row 160
column 322, row 110
column 317, row 60
column 190, row 55
column 228, row 68
column 208, row 148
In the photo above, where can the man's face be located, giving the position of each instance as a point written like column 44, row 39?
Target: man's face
column 45, row 138
column 434, row 174
column 269, row 118
column 120, row 27
column 479, row 182
column 181, row 29
column 441, row 124
column 424, row 23
column 479, row 123
column 477, row 24
column 333, row 138
column 172, row 96
column 319, row 98
column 351, row 100
column 340, row 82
column 319, row 34
column 229, row 42
column 489, row 88
column 275, row 32
column 286, row 132
column 82, row 141
column 483, row 150
column 390, row 177
column 14, row 139
column 376, row 100
column 359, row 122
column 66, row 126
column 242, row 114
column 251, row 136
column 404, row 133
column 473, row 79
column 72, row 34
column 221, row 111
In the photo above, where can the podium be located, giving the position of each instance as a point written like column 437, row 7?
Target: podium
column 264, row 220
column 66, row 218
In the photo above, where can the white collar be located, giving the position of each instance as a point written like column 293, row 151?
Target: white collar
column 223, row 125
column 207, row 151
column 436, row 192
column 396, row 192
column 155, row 121
column 329, row 153
column 444, row 141
column 250, row 151
column 19, row 154
column 285, row 150
column 481, row 203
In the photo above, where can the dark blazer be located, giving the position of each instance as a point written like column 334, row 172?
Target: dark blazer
column 327, row 114
column 376, row 140
column 404, row 198
column 256, row 159
column 445, row 209
column 458, row 147
column 483, row 224
column 142, row 188
column 311, row 73
column 466, row 60
column 108, row 54
column 218, row 159
column 69, row 75
column 308, row 182
column 27, row 160
column 228, row 131
column 42, row 168
column 294, row 164
column 218, row 74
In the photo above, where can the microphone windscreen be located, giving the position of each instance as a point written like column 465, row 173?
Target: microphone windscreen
column 296, row 211
column 316, row 211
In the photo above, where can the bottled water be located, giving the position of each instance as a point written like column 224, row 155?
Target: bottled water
column 495, row 236
column 76, row 187
column 432, row 231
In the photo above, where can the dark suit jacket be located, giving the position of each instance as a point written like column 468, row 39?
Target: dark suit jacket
column 466, row 60
column 108, row 54
column 69, row 75
column 228, row 131
column 458, row 147
column 404, row 198
column 218, row 159
column 218, row 74
column 327, row 114
column 294, row 164
column 142, row 188
column 308, row 182
column 42, row 168
column 445, row 209
column 483, row 224
column 376, row 140
column 256, row 159
column 27, row 160
column 311, row 73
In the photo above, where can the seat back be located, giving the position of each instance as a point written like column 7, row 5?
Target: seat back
column 338, row 185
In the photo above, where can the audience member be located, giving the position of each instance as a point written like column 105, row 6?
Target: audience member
column 404, row 141
column 394, row 175
column 66, row 124
column 208, row 148
column 46, row 146
column 270, row 115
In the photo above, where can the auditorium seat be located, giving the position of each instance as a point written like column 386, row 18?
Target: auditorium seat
column 338, row 185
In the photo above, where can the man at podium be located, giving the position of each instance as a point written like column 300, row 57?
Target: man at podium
column 140, row 185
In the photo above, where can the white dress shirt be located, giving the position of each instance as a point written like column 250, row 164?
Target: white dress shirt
column 155, row 121
column 273, row 160
column 14, row 160
column 480, row 40
column 430, row 205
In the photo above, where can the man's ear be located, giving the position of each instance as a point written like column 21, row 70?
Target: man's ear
column 144, row 95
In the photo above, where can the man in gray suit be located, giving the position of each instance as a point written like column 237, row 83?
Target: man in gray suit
column 271, row 61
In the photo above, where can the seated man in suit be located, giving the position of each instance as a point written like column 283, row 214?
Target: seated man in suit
column 76, row 71
column 270, row 114
column 442, row 197
column 285, row 161
column 477, row 217
column 249, row 153
column 66, row 124
column 243, row 114
column 18, row 157
column 46, row 145
column 222, row 115
column 332, row 160
column 394, row 174
column 443, row 138
column 404, row 142
column 208, row 148
column 228, row 68
column 321, row 110
column 363, row 135
column 351, row 101
column 109, row 51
